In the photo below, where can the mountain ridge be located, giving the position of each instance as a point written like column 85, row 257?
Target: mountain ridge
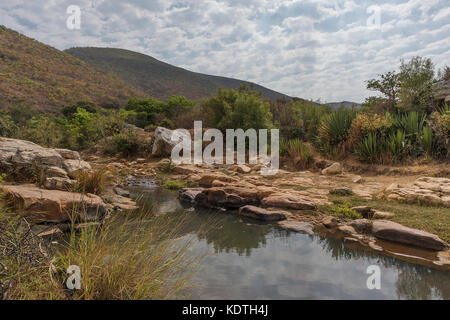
column 160, row 79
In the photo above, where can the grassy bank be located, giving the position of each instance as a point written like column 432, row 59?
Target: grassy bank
column 433, row 219
column 131, row 256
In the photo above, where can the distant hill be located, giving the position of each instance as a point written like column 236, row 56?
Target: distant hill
column 36, row 75
column 347, row 104
column 159, row 79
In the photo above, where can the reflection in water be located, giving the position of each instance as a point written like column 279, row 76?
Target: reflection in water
column 248, row 260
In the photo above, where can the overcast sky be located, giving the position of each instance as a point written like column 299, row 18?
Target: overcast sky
column 307, row 48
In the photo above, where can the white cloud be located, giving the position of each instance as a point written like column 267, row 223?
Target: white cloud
column 312, row 49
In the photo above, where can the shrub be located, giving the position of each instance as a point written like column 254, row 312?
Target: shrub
column 342, row 211
column 397, row 146
column 427, row 140
column 369, row 148
column 298, row 151
column 440, row 125
column 335, row 128
column 366, row 123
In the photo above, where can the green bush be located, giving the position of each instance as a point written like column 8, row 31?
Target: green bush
column 398, row 146
column 335, row 128
column 370, row 148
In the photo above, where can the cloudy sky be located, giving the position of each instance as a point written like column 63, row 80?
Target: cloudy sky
column 315, row 49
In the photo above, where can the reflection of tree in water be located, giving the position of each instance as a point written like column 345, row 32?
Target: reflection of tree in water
column 414, row 281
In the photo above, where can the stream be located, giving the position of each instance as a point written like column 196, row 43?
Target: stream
column 245, row 259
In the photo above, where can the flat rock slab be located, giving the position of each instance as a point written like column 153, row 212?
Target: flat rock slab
column 288, row 201
column 263, row 214
column 40, row 205
column 297, row 226
column 388, row 230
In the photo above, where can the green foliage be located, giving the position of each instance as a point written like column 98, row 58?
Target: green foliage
column 370, row 148
column 398, row 145
column 416, row 79
column 388, row 85
column 427, row 140
column 233, row 109
column 174, row 185
column 335, row 128
column 342, row 211
column 70, row 110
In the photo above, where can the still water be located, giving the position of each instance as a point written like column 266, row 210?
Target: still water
column 248, row 260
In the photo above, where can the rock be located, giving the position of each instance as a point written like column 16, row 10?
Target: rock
column 141, row 160
column 334, row 169
column 120, row 202
column 297, row 226
column 189, row 194
column 163, row 143
column 424, row 189
column 49, row 232
column 229, row 197
column 365, row 211
column 341, row 191
column 24, row 161
column 241, row 168
column 55, row 172
column 263, row 214
column 68, row 154
column 374, row 246
column 288, row 201
column 361, row 225
column 73, row 167
column 382, row 214
column 40, row 205
column 388, row 230
column 185, row 169
column 348, row 240
column 347, row 229
column 357, row 179
column 122, row 192
column 56, row 183
column 330, row 222
column 208, row 179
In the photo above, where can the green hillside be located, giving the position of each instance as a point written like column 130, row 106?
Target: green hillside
column 159, row 79
column 36, row 75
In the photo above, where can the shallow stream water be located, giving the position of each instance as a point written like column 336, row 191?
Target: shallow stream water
column 249, row 260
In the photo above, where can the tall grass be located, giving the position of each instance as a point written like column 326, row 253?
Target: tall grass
column 91, row 182
column 131, row 256
column 298, row 151
column 369, row 149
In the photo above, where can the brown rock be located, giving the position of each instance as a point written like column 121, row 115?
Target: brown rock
column 395, row 232
column 263, row 214
column 347, row 229
column 366, row 212
column 288, row 201
column 330, row 222
column 41, row 205
column 73, row 167
column 297, row 226
column 208, row 179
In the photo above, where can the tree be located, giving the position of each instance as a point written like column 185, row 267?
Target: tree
column 444, row 74
column 416, row 79
column 233, row 109
column 388, row 85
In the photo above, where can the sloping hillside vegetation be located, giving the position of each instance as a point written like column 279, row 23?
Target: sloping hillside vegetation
column 35, row 75
column 161, row 80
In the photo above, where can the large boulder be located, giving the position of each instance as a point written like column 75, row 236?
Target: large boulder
column 388, row 230
column 229, row 197
column 40, row 205
column 25, row 161
column 297, row 226
column 165, row 141
column 263, row 214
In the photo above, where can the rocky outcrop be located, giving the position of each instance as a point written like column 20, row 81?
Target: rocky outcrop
column 424, row 189
column 26, row 161
column 388, row 230
column 164, row 141
column 40, row 205
column 263, row 214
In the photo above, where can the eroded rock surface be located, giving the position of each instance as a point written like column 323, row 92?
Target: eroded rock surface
column 263, row 214
column 40, row 205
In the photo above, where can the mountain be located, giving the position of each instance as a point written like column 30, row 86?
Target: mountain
column 159, row 79
column 346, row 104
column 39, row 76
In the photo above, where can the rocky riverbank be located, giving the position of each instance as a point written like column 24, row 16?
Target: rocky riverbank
column 300, row 201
